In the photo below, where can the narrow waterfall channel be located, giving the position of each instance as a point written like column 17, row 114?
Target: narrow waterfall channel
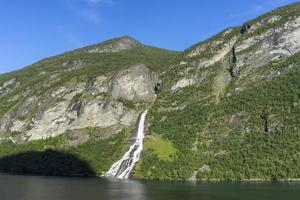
column 123, row 167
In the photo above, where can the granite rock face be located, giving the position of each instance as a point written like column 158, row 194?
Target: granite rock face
column 134, row 84
column 76, row 105
column 242, row 50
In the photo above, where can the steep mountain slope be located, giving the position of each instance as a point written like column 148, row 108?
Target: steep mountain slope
column 85, row 88
column 82, row 98
column 229, row 107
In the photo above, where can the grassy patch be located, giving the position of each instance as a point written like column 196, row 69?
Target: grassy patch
column 220, row 84
column 127, row 103
column 162, row 147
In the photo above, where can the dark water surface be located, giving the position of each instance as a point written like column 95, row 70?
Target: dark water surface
column 13, row 187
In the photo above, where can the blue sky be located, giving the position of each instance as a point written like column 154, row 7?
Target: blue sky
column 35, row 29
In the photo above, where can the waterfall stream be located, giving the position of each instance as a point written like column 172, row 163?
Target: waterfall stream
column 123, row 167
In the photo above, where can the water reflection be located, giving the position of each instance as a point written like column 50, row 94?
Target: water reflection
column 127, row 189
column 13, row 187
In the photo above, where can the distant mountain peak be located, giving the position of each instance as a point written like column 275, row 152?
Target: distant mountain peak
column 122, row 43
column 127, row 37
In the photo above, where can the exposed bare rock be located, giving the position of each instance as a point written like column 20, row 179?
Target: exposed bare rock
column 245, row 44
column 204, row 168
column 76, row 105
column 266, row 40
column 217, row 55
column 273, row 19
column 7, row 83
column 107, row 132
column 274, row 44
column 12, row 121
column 77, row 137
column 98, row 112
column 5, row 88
column 134, row 84
column 121, row 44
column 72, row 64
column 202, row 47
column 100, row 85
column 194, row 78
column 183, row 83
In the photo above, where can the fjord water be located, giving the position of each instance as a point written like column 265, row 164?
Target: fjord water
column 123, row 167
column 13, row 187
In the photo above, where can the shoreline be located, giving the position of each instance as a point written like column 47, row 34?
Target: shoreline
column 256, row 180
column 291, row 180
column 294, row 180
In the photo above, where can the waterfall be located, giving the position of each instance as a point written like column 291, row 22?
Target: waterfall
column 123, row 167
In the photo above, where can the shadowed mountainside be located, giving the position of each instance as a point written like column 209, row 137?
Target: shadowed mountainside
column 49, row 163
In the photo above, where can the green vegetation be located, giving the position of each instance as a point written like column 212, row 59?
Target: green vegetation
column 230, row 136
column 162, row 147
column 235, row 138
column 222, row 37
column 98, row 153
column 45, row 75
column 128, row 104
column 285, row 13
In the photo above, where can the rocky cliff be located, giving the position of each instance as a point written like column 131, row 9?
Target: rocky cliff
column 65, row 93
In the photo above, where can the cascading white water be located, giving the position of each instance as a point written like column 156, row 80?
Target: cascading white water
column 123, row 167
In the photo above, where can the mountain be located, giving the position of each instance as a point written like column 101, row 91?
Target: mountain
column 228, row 108
column 90, row 87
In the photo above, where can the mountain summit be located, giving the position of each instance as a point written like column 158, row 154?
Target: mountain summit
column 115, row 45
